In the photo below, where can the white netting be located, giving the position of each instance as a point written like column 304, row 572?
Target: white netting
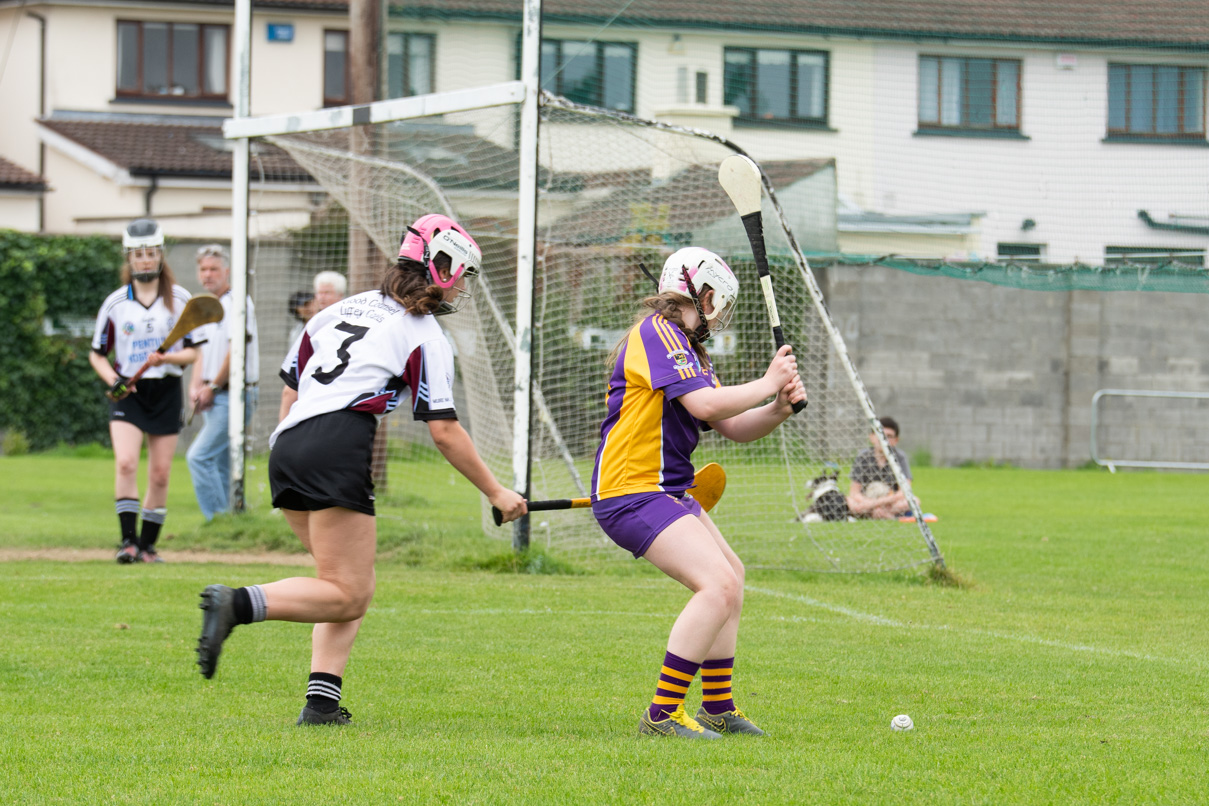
column 613, row 193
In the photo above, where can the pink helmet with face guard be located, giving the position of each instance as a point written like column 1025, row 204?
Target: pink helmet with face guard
column 436, row 234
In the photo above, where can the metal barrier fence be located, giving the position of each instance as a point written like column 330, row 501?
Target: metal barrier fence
column 1113, row 464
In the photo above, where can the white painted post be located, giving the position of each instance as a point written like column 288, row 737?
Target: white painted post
column 236, row 430
column 526, row 255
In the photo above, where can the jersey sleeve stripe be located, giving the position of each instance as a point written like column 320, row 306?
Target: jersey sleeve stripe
column 670, row 338
column 656, row 322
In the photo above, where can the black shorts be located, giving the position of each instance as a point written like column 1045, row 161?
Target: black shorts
column 325, row 462
column 154, row 409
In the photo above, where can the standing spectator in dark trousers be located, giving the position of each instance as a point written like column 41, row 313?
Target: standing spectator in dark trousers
column 210, row 454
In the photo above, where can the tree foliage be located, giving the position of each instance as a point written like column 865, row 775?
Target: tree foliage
column 48, row 391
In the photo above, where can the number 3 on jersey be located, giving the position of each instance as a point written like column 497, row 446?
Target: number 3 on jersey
column 356, row 332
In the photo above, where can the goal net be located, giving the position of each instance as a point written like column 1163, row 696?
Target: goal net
column 614, row 193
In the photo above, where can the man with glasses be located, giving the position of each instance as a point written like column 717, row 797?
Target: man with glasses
column 209, row 456
column 875, row 491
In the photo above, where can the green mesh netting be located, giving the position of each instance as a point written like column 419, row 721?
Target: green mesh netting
column 1166, row 276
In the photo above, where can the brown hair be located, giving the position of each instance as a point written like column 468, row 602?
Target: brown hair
column 407, row 283
column 166, row 279
column 668, row 305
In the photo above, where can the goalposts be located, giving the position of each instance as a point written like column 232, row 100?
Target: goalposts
column 567, row 201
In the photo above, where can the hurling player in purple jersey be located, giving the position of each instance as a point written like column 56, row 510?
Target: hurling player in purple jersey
column 355, row 361
column 663, row 392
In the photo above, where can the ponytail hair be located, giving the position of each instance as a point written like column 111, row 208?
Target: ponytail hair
column 407, row 283
column 669, row 306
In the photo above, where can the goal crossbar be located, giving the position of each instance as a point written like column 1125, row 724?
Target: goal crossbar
column 341, row 117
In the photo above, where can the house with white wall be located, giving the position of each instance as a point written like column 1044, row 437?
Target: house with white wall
column 1075, row 133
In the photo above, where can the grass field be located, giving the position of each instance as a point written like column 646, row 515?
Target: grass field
column 1069, row 669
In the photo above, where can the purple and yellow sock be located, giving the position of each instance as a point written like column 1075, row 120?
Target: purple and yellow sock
column 715, row 685
column 674, row 680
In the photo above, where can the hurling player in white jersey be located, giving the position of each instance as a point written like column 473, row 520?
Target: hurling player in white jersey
column 132, row 323
column 356, row 360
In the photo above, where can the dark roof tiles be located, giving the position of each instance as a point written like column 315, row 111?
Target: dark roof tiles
column 14, row 177
column 157, row 149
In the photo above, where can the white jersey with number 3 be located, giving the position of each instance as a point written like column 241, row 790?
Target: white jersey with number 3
column 361, row 354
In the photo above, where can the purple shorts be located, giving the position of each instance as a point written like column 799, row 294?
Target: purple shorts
column 634, row 521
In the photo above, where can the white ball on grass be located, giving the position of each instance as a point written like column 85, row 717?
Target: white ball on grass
column 902, row 722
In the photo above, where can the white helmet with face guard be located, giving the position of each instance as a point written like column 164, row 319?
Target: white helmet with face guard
column 689, row 271
column 139, row 236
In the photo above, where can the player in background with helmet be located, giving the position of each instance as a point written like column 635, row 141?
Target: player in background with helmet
column 133, row 321
column 354, row 363
column 663, row 392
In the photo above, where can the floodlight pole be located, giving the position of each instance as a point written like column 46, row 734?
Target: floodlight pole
column 526, row 256
column 236, row 429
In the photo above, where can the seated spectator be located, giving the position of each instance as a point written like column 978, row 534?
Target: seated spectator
column 875, row 491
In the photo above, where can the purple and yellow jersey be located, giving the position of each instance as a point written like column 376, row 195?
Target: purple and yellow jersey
column 647, row 437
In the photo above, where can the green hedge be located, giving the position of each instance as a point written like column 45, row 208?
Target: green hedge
column 48, row 391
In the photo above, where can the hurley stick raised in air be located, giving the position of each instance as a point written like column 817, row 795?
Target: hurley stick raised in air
column 740, row 178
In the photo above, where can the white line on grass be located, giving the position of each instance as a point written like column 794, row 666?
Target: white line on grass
column 882, row 621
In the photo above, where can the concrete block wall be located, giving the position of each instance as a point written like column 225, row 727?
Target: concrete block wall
column 975, row 372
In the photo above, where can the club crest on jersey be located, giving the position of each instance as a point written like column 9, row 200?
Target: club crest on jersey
column 680, row 358
column 128, row 328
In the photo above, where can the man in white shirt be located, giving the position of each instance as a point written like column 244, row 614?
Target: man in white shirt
column 209, row 456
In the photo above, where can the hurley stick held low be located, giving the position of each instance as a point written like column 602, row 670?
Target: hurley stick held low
column 740, row 178
column 708, row 485
column 199, row 310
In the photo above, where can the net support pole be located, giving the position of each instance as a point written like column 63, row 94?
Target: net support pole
column 236, row 427
column 526, row 256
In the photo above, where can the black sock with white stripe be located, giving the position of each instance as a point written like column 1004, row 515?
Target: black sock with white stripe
column 153, row 519
column 249, row 604
column 128, row 518
column 323, row 692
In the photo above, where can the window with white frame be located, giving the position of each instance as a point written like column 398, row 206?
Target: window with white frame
column 776, row 85
column 594, row 73
column 171, row 59
column 966, row 93
column 409, row 60
column 1156, row 100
